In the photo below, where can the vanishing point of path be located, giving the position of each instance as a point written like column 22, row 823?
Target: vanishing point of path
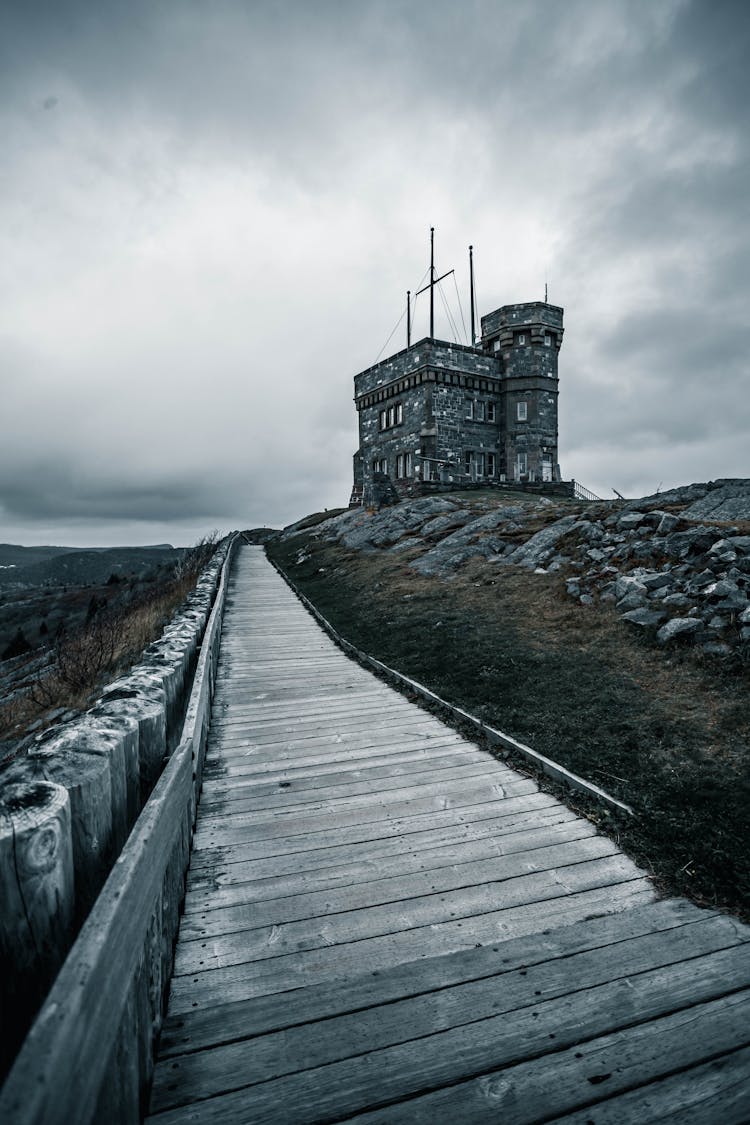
column 384, row 924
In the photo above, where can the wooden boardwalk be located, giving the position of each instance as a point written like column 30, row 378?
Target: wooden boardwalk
column 384, row 924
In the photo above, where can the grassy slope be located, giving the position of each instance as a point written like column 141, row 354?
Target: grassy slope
column 667, row 734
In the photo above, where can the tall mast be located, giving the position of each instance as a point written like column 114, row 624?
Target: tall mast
column 432, row 282
column 471, row 287
column 408, row 318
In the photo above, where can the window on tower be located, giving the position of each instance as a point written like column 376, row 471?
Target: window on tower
column 392, row 416
column 522, row 411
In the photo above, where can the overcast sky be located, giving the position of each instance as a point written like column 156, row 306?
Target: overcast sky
column 211, row 213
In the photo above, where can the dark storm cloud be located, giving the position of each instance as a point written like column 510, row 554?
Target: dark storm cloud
column 52, row 490
column 214, row 209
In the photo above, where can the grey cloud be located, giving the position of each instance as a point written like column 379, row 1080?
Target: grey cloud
column 51, row 490
column 205, row 233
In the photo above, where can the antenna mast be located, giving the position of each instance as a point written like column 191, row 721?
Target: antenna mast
column 408, row 318
column 471, row 287
column 432, row 282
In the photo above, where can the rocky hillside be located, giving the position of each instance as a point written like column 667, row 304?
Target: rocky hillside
column 675, row 565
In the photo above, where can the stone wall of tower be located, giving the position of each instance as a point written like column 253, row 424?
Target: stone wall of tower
column 431, row 382
column 526, row 340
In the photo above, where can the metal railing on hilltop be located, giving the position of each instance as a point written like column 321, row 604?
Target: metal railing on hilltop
column 582, row 493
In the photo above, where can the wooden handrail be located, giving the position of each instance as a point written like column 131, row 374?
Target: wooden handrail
column 88, row 1056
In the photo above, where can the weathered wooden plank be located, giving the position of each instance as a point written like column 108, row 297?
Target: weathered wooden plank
column 375, row 830
column 452, row 876
column 227, row 865
column 301, row 780
column 238, row 887
column 656, row 974
column 243, row 707
column 546, row 1087
column 394, row 917
column 335, row 733
column 287, row 795
column 257, row 810
column 393, row 1073
column 405, row 734
column 248, row 757
column 309, row 967
column 267, row 826
column 668, row 921
column 249, row 697
column 716, row 1091
column 357, row 734
column 339, row 714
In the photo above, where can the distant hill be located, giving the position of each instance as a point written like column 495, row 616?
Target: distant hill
column 76, row 566
column 11, row 554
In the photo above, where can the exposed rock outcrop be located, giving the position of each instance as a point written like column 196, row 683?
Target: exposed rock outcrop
column 670, row 564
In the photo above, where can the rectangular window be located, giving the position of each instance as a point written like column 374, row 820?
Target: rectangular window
column 522, row 411
column 407, row 464
column 547, row 340
column 479, row 463
column 468, row 462
column 479, row 411
column 392, row 416
column 399, row 465
column 522, row 465
column 496, row 346
column 470, row 409
column 490, row 412
column 490, row 464
column 521, row 338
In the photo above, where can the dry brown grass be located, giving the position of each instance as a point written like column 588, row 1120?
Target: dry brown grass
column 83, row 661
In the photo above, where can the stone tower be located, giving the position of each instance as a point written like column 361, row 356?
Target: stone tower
column 525, row 339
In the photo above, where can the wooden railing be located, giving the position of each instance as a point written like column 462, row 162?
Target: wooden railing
column 89, row 1055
